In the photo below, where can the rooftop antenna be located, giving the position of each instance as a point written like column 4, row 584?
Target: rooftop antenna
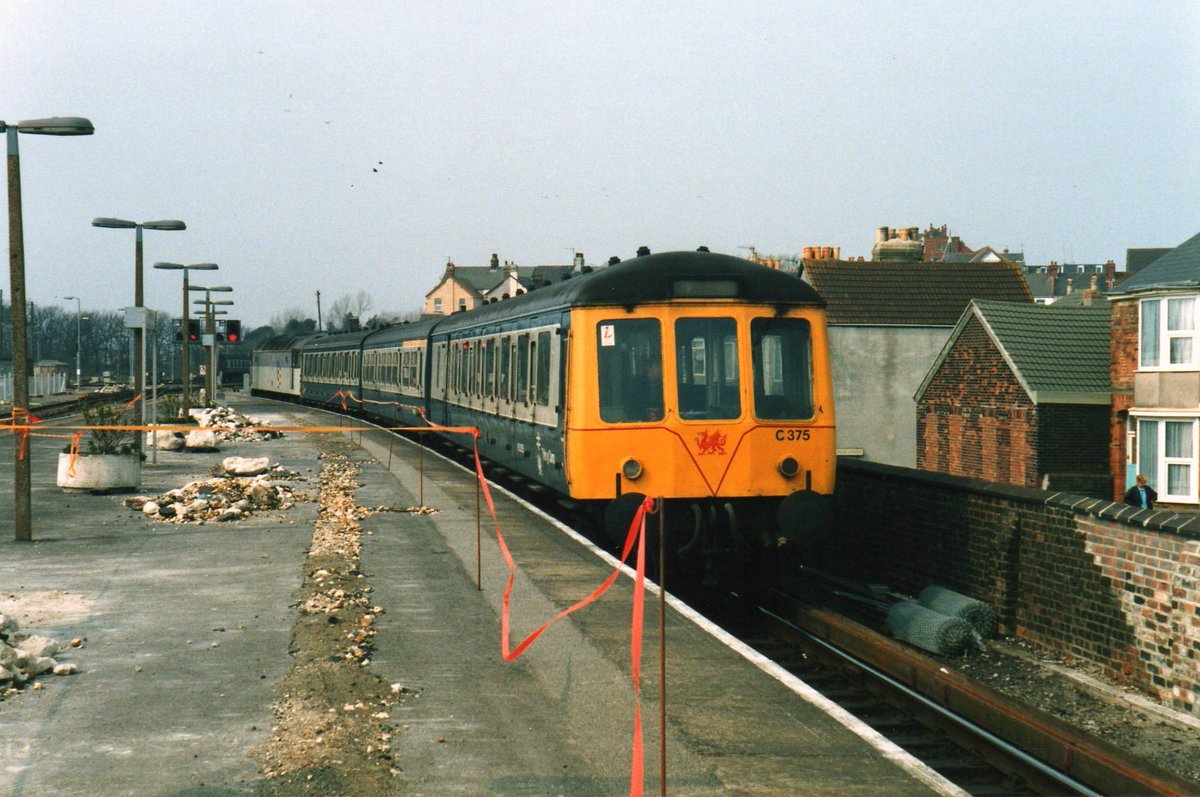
column 753, row 251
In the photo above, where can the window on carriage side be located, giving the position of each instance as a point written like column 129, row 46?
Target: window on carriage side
column 707, row 368
column 522, row 382
column 543, row 369
column 505, row 362
column 489, row 369
column 629, row 370
column 781, row 349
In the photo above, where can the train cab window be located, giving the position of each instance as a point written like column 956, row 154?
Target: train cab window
column 707, row 368
column 782, row 353
column 629, row 370
column 543, row 368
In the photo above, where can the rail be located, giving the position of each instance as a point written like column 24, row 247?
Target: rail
column 1050, row 753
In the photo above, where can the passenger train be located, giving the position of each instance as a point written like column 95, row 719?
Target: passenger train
column 697, row 377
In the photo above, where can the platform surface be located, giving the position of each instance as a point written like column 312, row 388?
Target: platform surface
column 188, row 628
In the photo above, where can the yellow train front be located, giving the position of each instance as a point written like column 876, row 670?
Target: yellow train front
column 704, row 379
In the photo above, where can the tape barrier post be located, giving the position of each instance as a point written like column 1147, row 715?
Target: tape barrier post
column 636, row 535
column 660, row 509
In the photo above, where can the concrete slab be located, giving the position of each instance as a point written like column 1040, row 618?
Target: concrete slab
column 186, row 628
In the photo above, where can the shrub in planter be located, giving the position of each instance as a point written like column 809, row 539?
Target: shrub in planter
column 107, row 459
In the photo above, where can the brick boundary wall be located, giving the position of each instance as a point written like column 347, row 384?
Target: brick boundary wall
column 1081, row 577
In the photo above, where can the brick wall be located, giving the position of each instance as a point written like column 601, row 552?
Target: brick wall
column 974, row 418
column 1124, row 365
column 1083, row 578
column 1073, row 448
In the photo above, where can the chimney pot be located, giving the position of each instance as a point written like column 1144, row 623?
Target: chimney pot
column 881, row 235
column 495, row 265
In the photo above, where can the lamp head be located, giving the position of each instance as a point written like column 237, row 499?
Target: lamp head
column 164, row 224
column 170, row 266
column 57, row 126
column 116, row 224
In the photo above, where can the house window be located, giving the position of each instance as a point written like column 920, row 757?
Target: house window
column 462, row 304
column 1168, row 333
column 437, row 305
column 1166, row 456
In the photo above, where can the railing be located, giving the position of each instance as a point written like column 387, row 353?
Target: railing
column 38, row 386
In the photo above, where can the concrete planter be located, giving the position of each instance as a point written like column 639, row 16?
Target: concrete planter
column 100, row 472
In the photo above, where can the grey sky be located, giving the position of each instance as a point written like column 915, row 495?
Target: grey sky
column 529, row 129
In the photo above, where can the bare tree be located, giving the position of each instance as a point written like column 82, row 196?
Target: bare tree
column 348, row 307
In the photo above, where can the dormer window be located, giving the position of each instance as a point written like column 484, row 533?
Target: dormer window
column 1168, row 333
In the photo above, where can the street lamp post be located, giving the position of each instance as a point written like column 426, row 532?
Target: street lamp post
column 187, row 345
column 139, row 331
column 210, row 331
column 78, row 341
column 58, row 126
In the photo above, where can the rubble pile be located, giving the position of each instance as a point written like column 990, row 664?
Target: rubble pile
column 231, row 426
column 216, row 425
column 225, row 497
column 24, row 656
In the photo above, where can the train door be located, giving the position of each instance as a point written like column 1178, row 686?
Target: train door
column 439, row 383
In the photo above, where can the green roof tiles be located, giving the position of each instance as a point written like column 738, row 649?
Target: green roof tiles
column 1056, row 352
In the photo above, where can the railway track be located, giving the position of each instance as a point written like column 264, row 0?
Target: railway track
column 975, row 737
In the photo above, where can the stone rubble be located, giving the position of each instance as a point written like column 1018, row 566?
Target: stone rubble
column 25, row 656
column 224, row 498
column 232, row 426
column 216, row 425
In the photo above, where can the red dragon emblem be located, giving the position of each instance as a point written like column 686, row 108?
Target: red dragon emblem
column 711, row 443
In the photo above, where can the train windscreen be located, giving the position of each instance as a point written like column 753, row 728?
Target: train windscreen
column 706, row 365
column 629, row 359
column 782, row 352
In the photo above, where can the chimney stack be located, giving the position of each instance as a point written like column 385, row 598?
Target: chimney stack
column 495, row 262
column 577, row 264
column 1110, row 278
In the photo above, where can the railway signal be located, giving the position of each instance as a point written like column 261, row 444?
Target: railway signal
column 193, row 330
column 233, row 330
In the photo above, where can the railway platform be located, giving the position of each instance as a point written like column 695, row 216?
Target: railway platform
column 188, row 628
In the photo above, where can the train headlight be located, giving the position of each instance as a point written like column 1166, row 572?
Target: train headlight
column 632, row 469
column 788, row 467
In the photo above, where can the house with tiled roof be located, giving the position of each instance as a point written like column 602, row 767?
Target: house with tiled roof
column 984, row 255
column 1156, row 376
column 1051, row 282
column 887, row 322
column 466, row 287
column 1020, row 395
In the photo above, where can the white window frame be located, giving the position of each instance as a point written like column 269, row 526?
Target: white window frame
column 1165, row 335
column 1162, row 469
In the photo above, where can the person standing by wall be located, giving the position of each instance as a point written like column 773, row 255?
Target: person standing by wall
column 1141, row 494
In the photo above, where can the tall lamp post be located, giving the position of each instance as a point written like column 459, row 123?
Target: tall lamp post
column 139, row 331
column 210, row 331
column 78, row 340
column 187, row 345
column 57, row 126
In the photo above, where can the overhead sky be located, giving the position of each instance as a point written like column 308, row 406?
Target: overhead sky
column 344, row 146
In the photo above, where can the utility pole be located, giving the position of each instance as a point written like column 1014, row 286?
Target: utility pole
column 318, row 311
